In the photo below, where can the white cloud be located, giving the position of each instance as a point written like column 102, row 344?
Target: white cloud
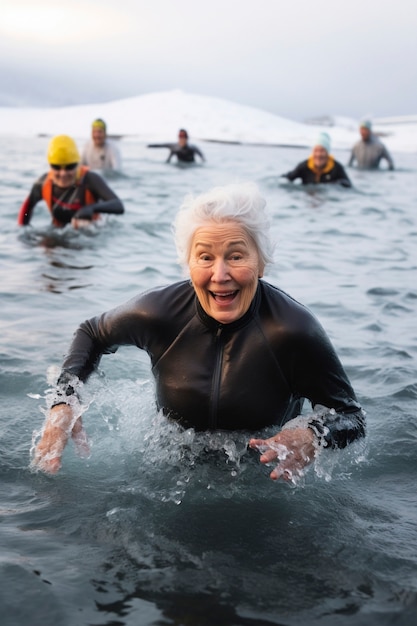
column 296, row 59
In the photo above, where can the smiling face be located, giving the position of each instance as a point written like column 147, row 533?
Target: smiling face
column 320, row 157
column 224, row 267
column 99, row 136
column 63, row 177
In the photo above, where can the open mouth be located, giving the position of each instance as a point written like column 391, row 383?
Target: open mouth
column 224, row 297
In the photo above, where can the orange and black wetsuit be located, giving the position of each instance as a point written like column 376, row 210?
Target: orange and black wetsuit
column 89, row 189
column 332, row 173
column 246, row 375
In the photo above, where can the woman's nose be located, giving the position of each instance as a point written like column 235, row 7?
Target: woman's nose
column 220, row 271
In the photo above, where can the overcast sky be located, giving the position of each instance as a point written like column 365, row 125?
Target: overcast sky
column 295, row 58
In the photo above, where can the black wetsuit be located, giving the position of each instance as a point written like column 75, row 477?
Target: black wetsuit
column 246, row 375
column 335, row 173
column 185, row 154
column 71, row 199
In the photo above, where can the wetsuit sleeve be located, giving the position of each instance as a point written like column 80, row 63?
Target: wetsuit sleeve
column 106, row 198
column 386, row 155
column 93, row 338
column 352, row 157
column 171, row 147
column 198, row 151
column 341, row 177
column 140, row 322
column 318, row 375
column 294, row 174
column 26, row 210
column 98, row 187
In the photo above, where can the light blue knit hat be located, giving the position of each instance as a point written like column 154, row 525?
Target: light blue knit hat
column 366, row 124
column 324, row 141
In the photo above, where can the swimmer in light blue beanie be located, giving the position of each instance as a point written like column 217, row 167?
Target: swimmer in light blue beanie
column 324, row 141
column 321, row 166
column 369, row 151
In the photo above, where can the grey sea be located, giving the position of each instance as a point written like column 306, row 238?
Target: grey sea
column 159, row 527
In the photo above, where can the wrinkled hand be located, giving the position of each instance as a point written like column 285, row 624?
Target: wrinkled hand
column 59, row 427
column 293, row 449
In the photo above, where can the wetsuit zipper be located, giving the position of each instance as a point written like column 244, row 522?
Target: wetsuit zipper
column 216, row 379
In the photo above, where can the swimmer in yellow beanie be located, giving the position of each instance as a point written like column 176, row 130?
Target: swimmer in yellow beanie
column 100, row 153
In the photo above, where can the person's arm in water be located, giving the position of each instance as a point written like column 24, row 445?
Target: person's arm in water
column 293, row 174
column 297, row 444
column 26, row 210
column 107, row 201
column 63, row 420
column 338, row 420
column 171, row 147
column 62, row 424
column 340, row 176
column 105, row 196
column 386, row 155
column 200, row 154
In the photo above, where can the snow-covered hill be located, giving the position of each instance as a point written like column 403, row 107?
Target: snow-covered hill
column 158, row 116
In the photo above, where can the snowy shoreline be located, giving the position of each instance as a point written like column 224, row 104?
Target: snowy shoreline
column 158, row 116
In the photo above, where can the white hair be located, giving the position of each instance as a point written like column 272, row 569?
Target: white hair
column 238, row 202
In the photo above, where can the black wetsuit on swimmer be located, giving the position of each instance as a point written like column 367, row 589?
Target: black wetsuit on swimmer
column 333, row 173
column 245, row 375
column 184, row 154
column 73, row 196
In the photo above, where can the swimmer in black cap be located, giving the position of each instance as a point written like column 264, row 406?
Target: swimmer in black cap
column 184, row 152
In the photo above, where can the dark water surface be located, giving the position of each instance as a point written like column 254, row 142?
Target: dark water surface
column 158, row 527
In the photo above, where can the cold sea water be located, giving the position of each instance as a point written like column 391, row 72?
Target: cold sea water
column 161, row 527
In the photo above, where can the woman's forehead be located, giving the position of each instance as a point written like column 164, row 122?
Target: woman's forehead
column 229, row 229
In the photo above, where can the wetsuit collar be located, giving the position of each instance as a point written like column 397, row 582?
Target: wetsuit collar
column 329, row 165
column 213, row 324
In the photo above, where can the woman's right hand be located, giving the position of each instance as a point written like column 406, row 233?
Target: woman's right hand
column 57, row 430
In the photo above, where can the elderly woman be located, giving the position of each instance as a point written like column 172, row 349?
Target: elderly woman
column 73, row 194
column 320, row 167
column 228, row 350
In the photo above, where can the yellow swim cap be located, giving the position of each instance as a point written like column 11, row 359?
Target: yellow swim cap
column 62, row 150
column 99, row 123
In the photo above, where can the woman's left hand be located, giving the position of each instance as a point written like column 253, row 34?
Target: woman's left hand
column 293, row 448
column 80, row 223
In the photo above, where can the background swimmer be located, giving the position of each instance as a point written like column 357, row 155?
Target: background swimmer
column 184, row 152
column 74, row 195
